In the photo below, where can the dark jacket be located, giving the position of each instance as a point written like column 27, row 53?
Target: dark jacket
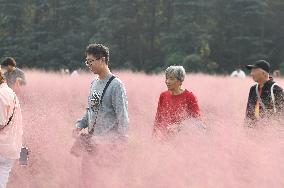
column 266, row 98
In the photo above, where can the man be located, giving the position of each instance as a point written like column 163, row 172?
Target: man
column 107, row 119
column 266, row 99
column 15, row 77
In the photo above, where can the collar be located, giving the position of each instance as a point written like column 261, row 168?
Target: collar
column 106, row 78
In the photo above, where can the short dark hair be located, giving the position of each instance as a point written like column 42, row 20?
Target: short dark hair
column 9, row 61
column 98, row 51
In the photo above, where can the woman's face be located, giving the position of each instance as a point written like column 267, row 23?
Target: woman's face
column 172, row 82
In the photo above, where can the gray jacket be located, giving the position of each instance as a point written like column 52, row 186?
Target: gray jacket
column 11, row 77
column 110, row 119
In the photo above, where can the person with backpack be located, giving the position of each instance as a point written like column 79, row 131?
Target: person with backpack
column 10, row 130
column 106, row 116
column 266, row 98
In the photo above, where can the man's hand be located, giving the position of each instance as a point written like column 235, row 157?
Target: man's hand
column 19, row 80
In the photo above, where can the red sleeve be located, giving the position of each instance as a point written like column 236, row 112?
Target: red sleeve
column 158, row 119
column 193, row 107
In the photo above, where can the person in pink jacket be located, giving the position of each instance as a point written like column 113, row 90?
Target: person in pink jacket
column 10, row 130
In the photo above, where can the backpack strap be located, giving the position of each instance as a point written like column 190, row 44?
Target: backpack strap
column 101, row 100
column 259, row 98
column 273, row 97
column 104, row 91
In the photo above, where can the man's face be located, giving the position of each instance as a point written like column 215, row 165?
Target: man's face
column 257, row 74
column 9, row 68
column 94, row 64
column 172, row 82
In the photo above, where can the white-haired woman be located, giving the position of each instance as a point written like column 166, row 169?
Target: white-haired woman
column 176, row 104
column 10, row 130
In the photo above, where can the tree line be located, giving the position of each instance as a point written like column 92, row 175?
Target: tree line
column 212, row 36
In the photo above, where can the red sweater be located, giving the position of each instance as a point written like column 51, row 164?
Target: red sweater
column 173, row 109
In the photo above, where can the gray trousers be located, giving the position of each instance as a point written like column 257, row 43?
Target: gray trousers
column 5, row 168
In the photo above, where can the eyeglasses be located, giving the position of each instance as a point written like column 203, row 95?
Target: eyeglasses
column 89, row 62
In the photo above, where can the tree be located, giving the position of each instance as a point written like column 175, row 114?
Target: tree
column 144, row 35
column 240, row 35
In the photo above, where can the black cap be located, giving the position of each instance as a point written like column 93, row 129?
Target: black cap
column 262, row 64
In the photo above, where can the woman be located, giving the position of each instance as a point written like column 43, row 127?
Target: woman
column 176, row 104
column 10, row 130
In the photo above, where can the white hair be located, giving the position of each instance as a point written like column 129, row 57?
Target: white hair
column 177, row 71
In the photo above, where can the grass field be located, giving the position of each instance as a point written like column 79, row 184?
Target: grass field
column 225, row 155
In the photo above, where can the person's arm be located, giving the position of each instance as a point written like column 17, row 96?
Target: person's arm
column 2, row 126
column 21, row 78
column 158, row 118
column 279, row 98
column 234, row 74
column 193, row 107
column 3, row 117
column 4, row 113
column 194, row 111
column 120, row 105
column 250, row 110
column 81, row 124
